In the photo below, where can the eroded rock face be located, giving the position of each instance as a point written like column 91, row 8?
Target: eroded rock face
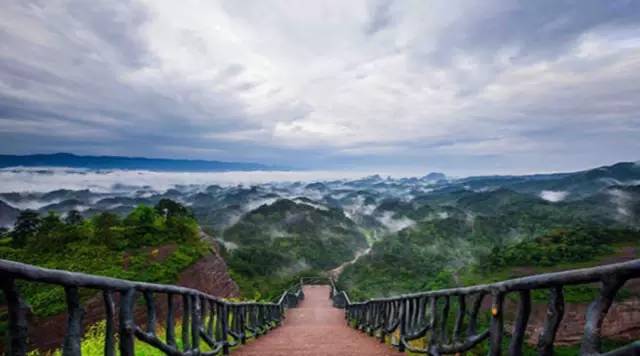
column 622, row 322
column 209, row 274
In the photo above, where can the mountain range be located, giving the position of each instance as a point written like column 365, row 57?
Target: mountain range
column 405, row 233
column 131, row 163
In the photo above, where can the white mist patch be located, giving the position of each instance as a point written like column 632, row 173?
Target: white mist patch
column 358, row 207
column 252, row 205
column 44, row 179
column 31, row 204
column 622, row 200
column 395, row 225
column 553, row 196
column 228, row 245
column 313, row 205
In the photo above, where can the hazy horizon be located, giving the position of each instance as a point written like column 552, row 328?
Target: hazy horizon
column 44, row 179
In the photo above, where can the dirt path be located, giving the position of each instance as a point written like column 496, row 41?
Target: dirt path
column 315, row 328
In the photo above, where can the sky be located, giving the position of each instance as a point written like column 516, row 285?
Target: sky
column 473, row 87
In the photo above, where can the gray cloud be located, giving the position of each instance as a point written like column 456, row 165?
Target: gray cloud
column 460, row 86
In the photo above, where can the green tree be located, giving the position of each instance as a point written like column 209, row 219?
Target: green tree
column 25, row 227
column 107, row 230
column 169, row 208
column 73, row 218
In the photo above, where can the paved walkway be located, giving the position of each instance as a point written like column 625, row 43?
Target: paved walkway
column 315, row 328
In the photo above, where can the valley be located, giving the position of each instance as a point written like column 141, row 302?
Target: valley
column 379, row 236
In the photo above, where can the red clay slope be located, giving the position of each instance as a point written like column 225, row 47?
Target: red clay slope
column 315, row 328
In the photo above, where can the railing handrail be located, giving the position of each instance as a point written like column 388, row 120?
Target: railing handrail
column 83, row 280
column 228, row 323
column 413, row 316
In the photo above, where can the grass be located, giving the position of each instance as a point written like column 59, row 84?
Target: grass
column 94, row 338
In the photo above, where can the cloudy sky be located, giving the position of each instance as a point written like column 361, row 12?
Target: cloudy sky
column 460, row 86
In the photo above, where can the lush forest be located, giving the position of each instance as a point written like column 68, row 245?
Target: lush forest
column 105, row 244
column 421, row 233
column 279, row 242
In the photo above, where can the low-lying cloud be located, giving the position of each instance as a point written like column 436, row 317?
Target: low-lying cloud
column 553, row 195
column 395, row 224
column 48, row 179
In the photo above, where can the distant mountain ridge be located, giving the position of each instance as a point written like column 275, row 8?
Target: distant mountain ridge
column 121, row 162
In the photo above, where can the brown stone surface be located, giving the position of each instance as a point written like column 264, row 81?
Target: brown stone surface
column 622, row 322
column 315, row 328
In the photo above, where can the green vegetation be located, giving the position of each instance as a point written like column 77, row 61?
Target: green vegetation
column 558, row 247
column 104, row 245
column 280, row 242
column 452, row 252
column 94, row 337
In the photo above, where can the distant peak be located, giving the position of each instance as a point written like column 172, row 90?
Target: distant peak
column 435, row 176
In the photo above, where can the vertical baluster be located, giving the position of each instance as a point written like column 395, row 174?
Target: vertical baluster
column 212, row 317
column 252, row 319
column 109, row 342
column 408, row 311
column 555, row 312
column 233, row 315
column 433, row 312
column 258, row 310
column 462, row 310
column 434, row 340
column 151, row 312
column 385, row 320
column 204, row 311
column 421, row 312
column 473, row 317
column 186, row 316
column 240, row 314
column 218, row 326
column 127, row 326
column 170, row 333
column 414, row 315
column 224, row 331
column 596, row 313
column 195, row 323
column 403, row 325
column 520, row 326
column 445, row 316
column 74, row 322
column 18, row 326
column 372, row 318
column 497, row 324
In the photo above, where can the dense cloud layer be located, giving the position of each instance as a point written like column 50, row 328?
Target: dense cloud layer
column 494, row 86
column 106, row 181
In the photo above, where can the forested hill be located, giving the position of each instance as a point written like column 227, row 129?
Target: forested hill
column 152, row 244
column 421, row 232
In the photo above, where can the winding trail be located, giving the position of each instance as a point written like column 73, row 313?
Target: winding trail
column 315, row 328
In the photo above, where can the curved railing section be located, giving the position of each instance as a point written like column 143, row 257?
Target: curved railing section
column 218, row 323
column 425, row 315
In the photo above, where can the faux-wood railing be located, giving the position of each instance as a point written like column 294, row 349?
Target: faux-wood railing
column 425, row 315
column 220, row 324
